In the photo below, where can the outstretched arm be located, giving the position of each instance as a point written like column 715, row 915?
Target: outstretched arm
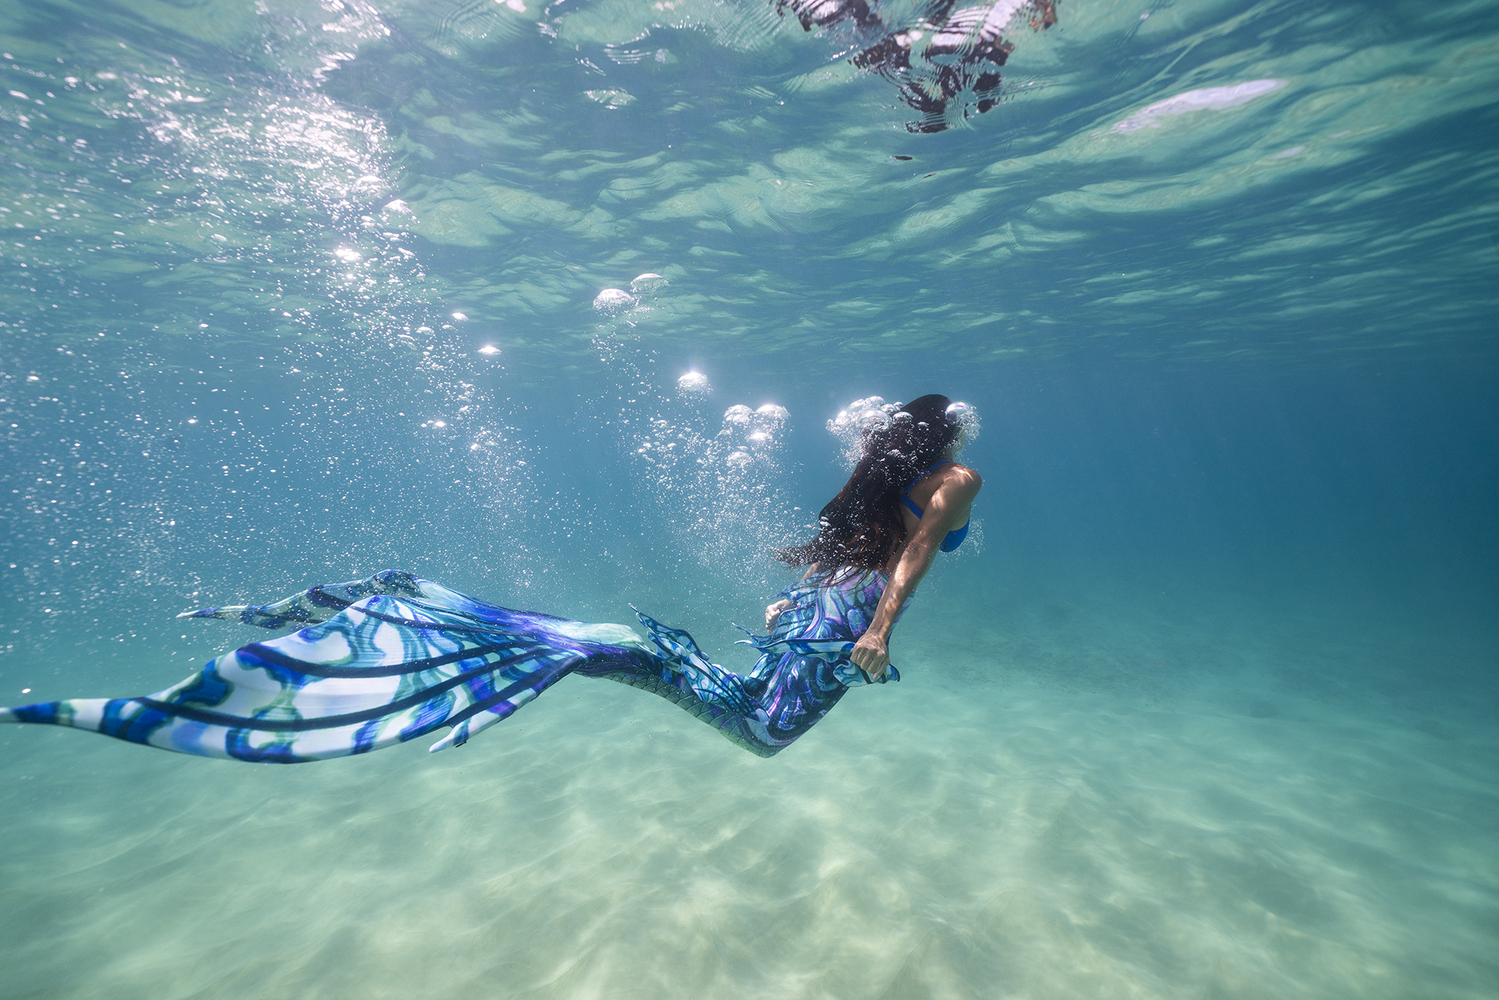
column 949, row 509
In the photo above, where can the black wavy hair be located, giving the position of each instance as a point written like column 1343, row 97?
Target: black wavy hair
column 862, row 526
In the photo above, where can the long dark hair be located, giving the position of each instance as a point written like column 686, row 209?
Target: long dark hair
column 862, row 526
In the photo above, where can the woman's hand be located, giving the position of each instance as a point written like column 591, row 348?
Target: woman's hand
column 871, row 655
column 773, row 612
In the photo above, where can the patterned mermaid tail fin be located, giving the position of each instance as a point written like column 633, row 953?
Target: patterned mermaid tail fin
column 712, row 683
column 382, row 670
column 318, row 604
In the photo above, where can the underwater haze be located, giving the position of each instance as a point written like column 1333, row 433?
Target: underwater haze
column 559, row 305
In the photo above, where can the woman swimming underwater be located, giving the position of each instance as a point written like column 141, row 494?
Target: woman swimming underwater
column 394, row 657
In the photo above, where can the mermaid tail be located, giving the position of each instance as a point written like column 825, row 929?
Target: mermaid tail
column 381, row 661
column 394, row 657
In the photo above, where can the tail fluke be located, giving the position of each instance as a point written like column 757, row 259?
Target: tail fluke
column 380, row 671
column 80, row 713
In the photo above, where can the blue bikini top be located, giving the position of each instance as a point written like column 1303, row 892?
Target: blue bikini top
column 954, row 538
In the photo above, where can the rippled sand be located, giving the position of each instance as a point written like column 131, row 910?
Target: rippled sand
column 945, row 837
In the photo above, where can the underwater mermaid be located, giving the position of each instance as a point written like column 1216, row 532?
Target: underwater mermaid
column 381, row 661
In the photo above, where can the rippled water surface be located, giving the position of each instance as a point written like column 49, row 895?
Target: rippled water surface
column 556, row 305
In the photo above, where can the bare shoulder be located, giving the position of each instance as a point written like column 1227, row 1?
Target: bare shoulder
column 963, row 481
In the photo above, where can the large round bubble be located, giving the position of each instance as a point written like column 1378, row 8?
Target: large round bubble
column 771, row 417
column 738, row 416
column 613, row 301
column 648, row 283
column 694, row 385
column 967, row 417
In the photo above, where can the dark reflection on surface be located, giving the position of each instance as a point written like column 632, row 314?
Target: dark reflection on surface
column 957, row 51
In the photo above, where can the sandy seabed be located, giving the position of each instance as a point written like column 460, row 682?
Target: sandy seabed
column 966, row 833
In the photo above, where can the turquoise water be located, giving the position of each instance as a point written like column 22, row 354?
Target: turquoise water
column 297, row 291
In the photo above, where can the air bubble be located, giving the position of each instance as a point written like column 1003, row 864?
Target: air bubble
column 772, row 417
column 967, row 417
column 850, row 424
column 648, row 282
column 738, row 415
column 613, row 301
column 694, row 385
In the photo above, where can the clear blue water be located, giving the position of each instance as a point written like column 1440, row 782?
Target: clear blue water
column 293, row 292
